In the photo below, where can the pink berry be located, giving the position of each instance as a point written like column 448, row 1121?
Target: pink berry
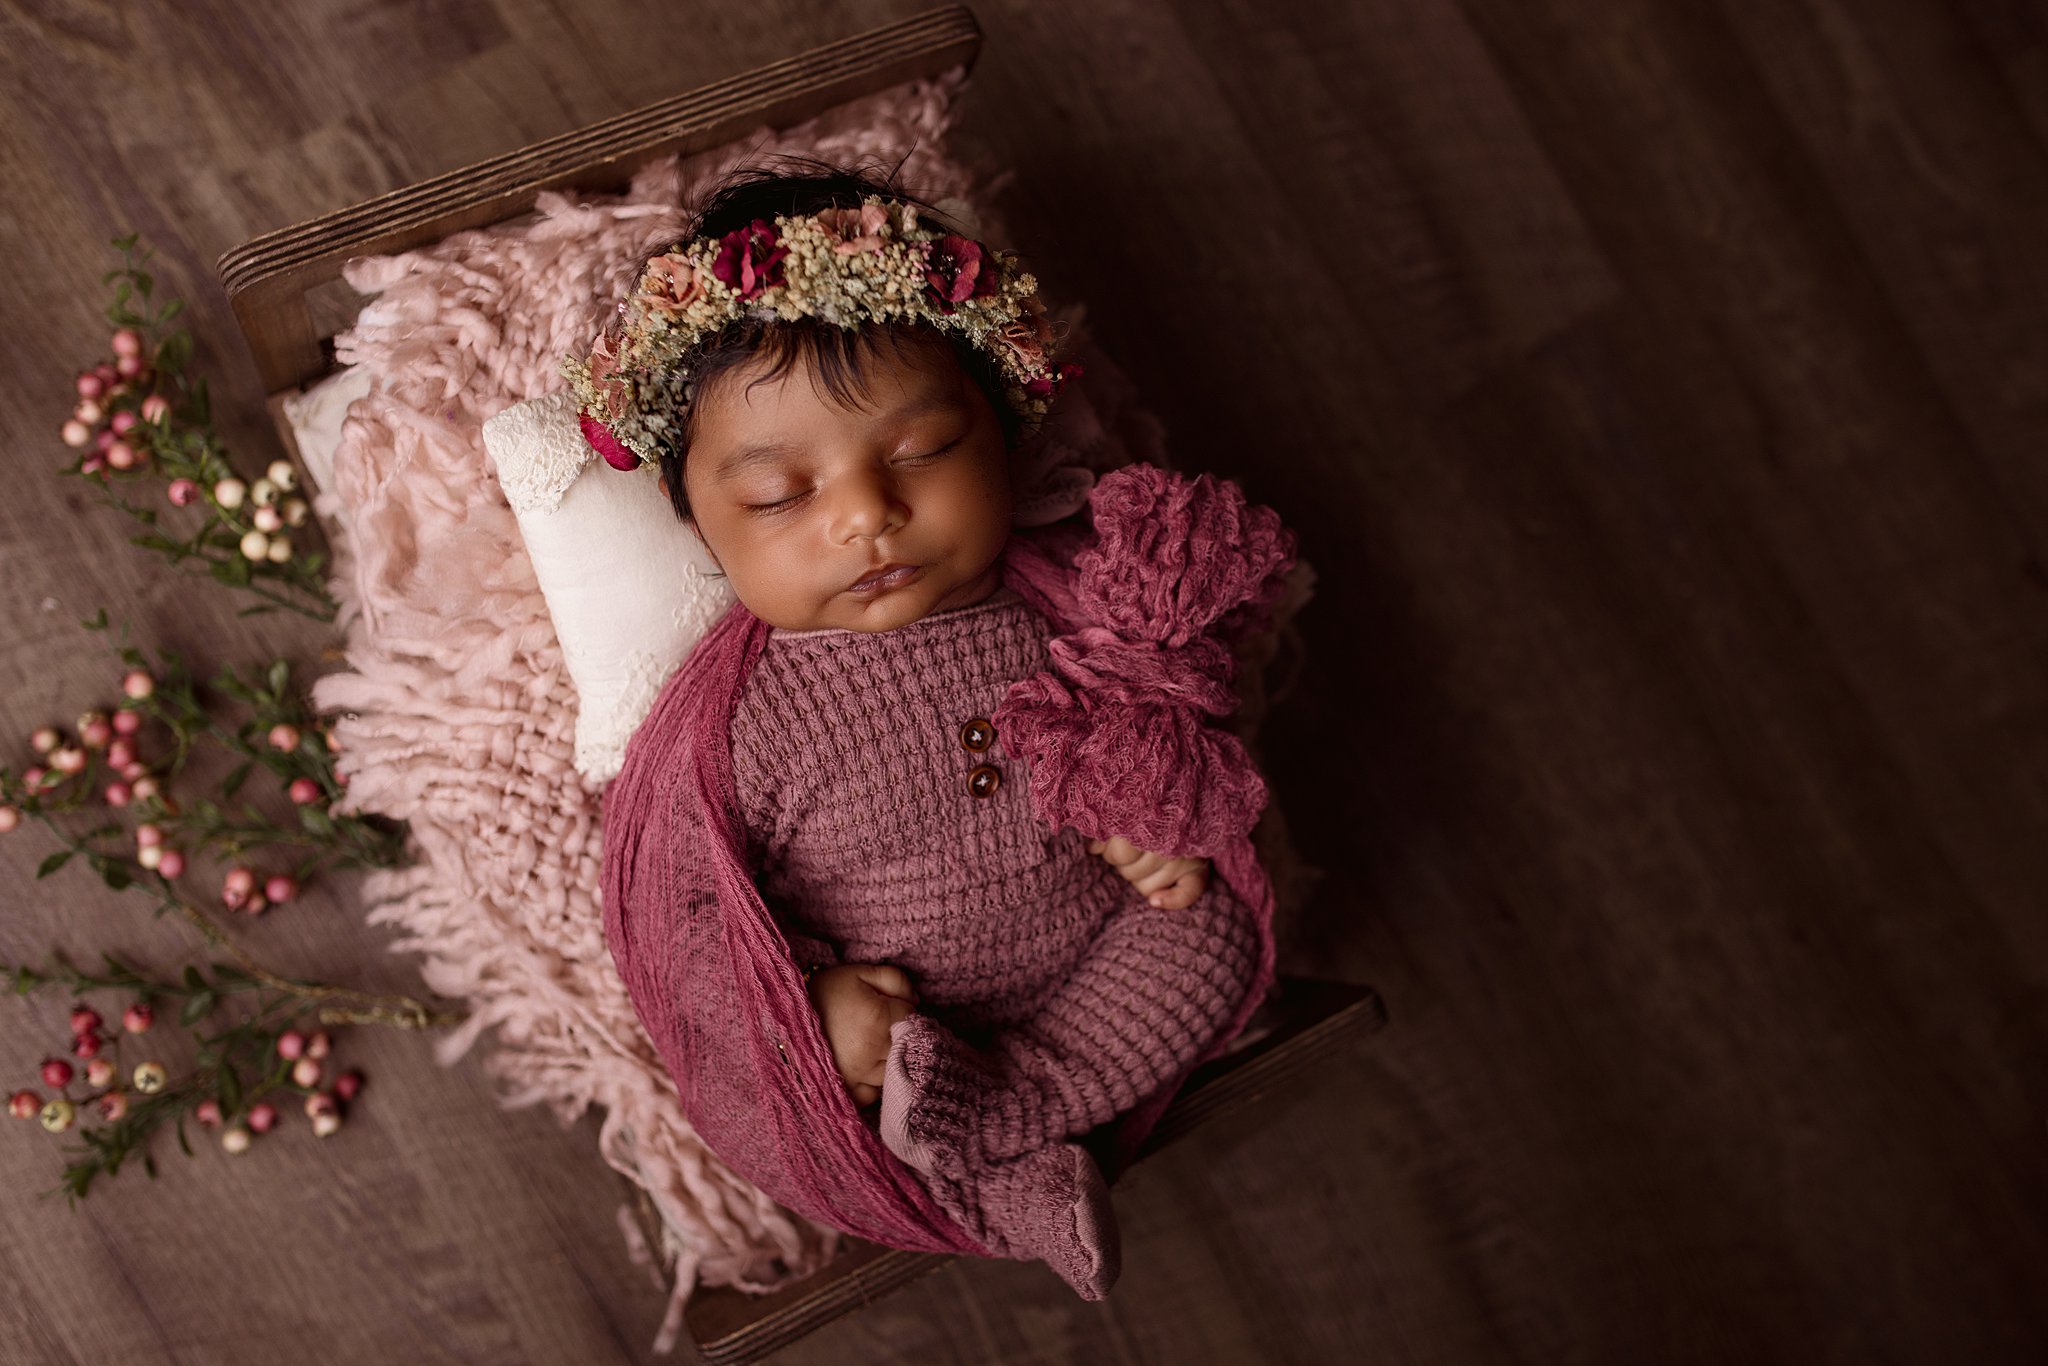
column 284, row 737
column 319, row 1044
column 127, row 342
column 138, row 684
column 76, row 434
column 103, row 438
column 96, row 734
column 129, row 367
column 135, row 772
column 182, row 493
column 291, row 1044
column 84, row 1019
column 349, row 1083
column 9, row 818
column 207, row 1112
column 117, row 794
column 306, row 1072
column 262, row 1117
column 236, row 886
column 86, row 1046
column 113, row 1105
column 99, row 1071
column 171, row 864
column 121, row 456
column 96, row 465
column 91, row 385
column 121, row 753
column 32, row 778
column 318, row 1104
column 56, row 1072
column 137, row 1019
column 68, row 760
column 147, row 835
column 255, row 905
column 281, row 889
column 155, row 408
column 304, row 791
column 123, row 422
column 127, row 722
column 106, row 373
column 24, row 1105
column 45, row 739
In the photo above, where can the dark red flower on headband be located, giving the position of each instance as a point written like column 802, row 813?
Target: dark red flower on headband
column 750, row 258
column 1047, row 387
column 958, row 268
column 616, row 453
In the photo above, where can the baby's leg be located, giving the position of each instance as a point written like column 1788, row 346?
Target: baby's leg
column 1153, row 994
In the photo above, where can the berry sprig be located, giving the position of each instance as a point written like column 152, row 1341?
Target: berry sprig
column 280, row 734
column 237, row 1078
column 139, row 416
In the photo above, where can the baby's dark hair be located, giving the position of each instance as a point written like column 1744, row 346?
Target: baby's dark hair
column 793, row 186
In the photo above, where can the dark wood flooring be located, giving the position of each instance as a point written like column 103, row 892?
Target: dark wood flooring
column 1661, row 390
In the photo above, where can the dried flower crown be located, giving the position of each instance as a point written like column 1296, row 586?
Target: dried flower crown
column 850, row 266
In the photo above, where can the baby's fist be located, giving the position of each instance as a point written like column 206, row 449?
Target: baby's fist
column 856, row 1004
column 1170, row 883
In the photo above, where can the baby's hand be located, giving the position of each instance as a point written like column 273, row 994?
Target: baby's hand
column 1172, row 883
column 856, row 1004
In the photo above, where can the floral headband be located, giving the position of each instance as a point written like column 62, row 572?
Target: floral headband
column 850, row 266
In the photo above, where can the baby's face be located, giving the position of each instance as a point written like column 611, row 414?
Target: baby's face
column 798, row 499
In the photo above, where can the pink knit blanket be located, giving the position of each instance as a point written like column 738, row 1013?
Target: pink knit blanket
column 1122, row 737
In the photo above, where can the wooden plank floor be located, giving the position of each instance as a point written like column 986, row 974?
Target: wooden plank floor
column 1661, row 392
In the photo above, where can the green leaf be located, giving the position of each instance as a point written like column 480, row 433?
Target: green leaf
column 149, row 1166
column 96, row 623
column 111, row 871
column 230, row 1091
column 184, row 1142
column 193, row 979
column 280, row 674
column 197, row 1008
column 316, row 821
column 233, row 782
column 54, row 862
column 258, row 610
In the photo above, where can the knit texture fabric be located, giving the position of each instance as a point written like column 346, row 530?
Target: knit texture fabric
column 716, row 980
column 852, row 765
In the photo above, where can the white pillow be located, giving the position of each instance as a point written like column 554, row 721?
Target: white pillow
column 315, row 418
column 629, row 586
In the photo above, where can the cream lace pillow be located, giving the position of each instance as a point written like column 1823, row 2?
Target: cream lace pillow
column 630, row 587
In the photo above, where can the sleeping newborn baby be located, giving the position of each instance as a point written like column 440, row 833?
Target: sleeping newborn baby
column 909, row 813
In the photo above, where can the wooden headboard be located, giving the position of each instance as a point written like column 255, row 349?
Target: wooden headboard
column 286, row 286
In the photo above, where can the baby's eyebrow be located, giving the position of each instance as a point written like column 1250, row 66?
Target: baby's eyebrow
column 772, row 450
column 754, row 455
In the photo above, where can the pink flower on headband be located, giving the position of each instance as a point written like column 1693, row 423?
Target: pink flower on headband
column 954, row 268
column 857, row 229
column 671, row 284
column 750, row 258
column 604, row 374
column 1025, row 341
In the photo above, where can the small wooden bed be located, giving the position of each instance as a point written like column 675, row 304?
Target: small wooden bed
column 289, row 296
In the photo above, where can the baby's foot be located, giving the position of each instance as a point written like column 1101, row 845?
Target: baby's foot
column 1053, row 1204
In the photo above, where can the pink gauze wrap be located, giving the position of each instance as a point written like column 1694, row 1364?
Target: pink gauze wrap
column 1120, row 733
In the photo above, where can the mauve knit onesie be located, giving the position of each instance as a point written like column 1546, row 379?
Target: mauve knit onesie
column 1051, row 997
